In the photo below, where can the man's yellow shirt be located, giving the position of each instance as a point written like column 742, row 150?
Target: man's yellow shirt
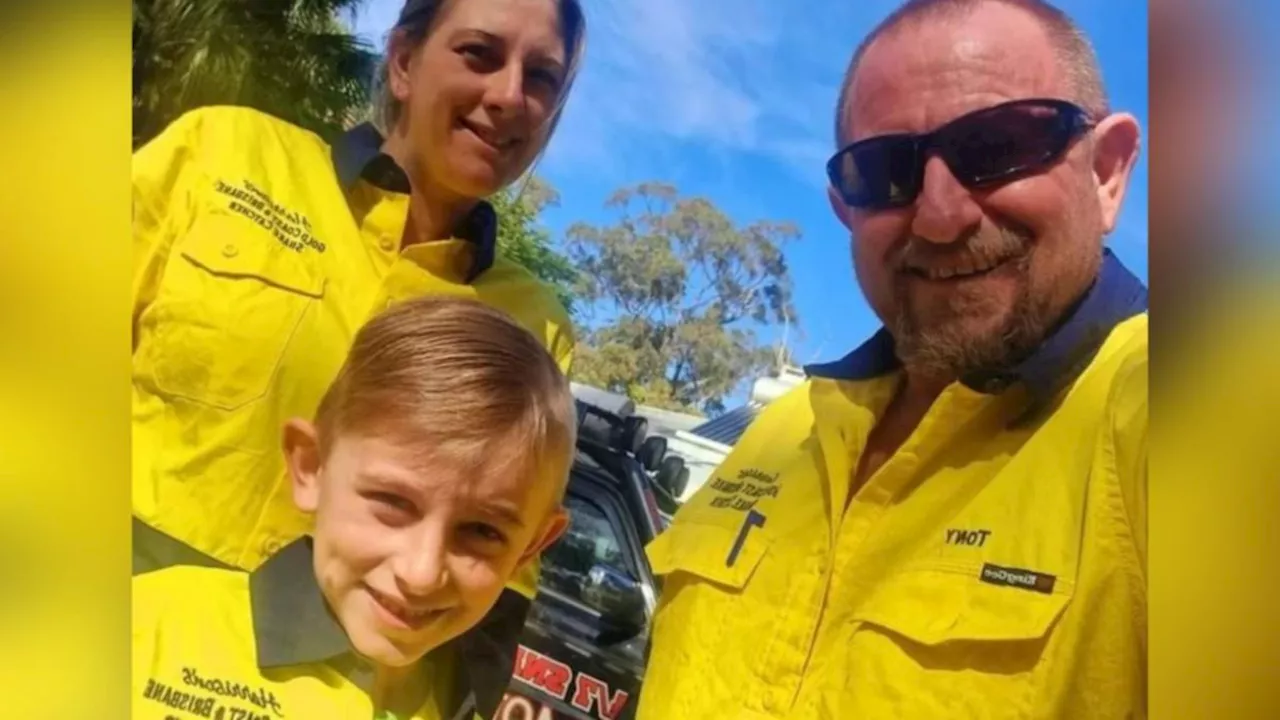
column 993, row 567
column 259, row 251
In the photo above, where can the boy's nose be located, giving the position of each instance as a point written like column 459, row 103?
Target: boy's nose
column 422, row 569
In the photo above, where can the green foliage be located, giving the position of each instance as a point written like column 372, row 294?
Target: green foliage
column 291, row 58
column 523, row 241
column 683, row 291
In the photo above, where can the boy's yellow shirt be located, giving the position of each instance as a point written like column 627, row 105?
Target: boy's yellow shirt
column 227, row 644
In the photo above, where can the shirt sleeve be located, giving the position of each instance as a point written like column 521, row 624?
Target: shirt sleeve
column 562, row 347
column 161, row 175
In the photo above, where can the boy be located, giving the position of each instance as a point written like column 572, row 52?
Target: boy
column 434, row 469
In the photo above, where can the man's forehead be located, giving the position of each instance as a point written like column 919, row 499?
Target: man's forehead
column 927, row 71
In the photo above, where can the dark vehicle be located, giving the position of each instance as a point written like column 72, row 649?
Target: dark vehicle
column 583, row 650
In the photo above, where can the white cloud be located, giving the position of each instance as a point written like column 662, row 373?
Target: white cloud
column 710, row 72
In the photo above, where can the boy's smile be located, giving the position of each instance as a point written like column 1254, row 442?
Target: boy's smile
column 397, row 615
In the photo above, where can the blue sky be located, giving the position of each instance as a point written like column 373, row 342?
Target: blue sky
column 733, row 100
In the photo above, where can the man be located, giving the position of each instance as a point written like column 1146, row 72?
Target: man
column 949, row 521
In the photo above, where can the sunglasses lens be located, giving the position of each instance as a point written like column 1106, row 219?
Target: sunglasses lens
column 987, row 146
column 1005, row 141
column 877, row 173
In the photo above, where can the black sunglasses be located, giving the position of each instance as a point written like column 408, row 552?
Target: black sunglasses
column 995, row 144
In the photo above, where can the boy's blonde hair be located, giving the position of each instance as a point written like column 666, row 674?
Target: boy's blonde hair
column 457, row 377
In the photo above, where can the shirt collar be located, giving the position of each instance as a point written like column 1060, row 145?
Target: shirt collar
column 1115, row 296
column 357, row 154
column 292, row 625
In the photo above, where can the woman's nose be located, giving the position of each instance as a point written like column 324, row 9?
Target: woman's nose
column 504, row 94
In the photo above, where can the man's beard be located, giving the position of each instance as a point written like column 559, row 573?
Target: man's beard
column 948, row 345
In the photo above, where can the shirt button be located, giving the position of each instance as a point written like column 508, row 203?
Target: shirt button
column 270, row 547
column 230, row 250
column 388, row 243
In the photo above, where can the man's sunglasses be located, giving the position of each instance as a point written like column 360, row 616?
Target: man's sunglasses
column 988, row 146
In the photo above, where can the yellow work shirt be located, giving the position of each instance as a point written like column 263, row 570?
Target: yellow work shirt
column 226, row 644
column 993, row 567
column 259, row 251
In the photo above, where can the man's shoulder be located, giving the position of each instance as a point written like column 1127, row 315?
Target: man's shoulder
column 1128, row 399
column 778, row 430
column 1129, row 338
column 793, row 408
column 1112, row 388
column 1122, row 361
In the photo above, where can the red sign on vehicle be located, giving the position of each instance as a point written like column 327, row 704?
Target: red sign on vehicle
column 553, row 677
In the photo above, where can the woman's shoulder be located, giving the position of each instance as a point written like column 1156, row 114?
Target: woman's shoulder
column 508, row 276
column 514, row 288
column 221, row 128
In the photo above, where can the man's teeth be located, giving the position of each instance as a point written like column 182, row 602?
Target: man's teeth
column 972, row 266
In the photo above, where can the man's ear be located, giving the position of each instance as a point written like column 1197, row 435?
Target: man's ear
column 843, row 212
column 552, row 529
column 1116, row 143
column 302, row 457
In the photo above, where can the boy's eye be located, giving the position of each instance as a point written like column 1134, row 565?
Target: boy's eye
column 485, row 532
column 392, row 500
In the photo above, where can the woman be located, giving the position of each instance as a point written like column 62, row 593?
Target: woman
column 260, row 250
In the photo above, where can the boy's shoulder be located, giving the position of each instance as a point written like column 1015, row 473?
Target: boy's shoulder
column 188, row 590
column 191, row 576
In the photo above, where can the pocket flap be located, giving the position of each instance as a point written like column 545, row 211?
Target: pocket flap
column 231, row 246
column 934, row 606
column 705, row 550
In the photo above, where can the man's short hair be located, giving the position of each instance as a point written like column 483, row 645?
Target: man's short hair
column 1072, row 47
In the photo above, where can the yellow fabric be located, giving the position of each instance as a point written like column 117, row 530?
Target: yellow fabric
column 879, row 611
column 194, row 656
column 252, row 272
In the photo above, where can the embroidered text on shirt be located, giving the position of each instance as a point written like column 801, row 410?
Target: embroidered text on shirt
column 967, row 537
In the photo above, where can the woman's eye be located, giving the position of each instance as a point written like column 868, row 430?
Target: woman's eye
column 474, row 51
column 548, row 78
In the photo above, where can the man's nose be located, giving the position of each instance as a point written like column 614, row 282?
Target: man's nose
column 421, row 566
column 945, row 211
column 504, row 94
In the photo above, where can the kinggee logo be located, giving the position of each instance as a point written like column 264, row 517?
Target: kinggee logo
column 1013, row 577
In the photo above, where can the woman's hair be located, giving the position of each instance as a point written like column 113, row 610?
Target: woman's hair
column 414, row 27
column 457, row 377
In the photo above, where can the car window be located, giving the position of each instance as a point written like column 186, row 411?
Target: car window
column 591, row 541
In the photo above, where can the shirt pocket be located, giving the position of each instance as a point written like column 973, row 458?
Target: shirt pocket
column 227, row 309
column 963, row 647
column 716, row 617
